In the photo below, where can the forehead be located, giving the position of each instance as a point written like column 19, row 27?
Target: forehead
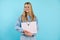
column 27, row 5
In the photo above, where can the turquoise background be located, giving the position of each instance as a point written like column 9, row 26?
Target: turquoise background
column 47, row 12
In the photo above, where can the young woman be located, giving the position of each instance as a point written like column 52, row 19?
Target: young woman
column 29, row 16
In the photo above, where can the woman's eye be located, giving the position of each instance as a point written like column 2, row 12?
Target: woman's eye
column 24, row 7
column 28, row 7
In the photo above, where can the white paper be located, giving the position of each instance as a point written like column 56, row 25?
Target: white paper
column 32, row 27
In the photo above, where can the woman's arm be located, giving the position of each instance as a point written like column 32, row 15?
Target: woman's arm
column 18, row 25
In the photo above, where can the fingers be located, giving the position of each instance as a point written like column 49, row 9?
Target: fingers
column 27, row 33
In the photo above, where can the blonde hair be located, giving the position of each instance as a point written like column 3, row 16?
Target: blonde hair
column 24, row 15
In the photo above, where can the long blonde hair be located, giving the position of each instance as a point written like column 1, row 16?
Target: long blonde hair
column 24, row 15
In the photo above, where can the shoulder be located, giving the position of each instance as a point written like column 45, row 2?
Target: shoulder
column 19, row 18
column 35, row 18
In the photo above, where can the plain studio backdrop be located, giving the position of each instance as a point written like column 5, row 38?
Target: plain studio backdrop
column 47, row 12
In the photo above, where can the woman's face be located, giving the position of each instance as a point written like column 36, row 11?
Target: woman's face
column 27, row 7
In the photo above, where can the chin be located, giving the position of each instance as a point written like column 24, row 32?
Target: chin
column 27, row 11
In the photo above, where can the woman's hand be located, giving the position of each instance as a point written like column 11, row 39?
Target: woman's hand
column 27, row 33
